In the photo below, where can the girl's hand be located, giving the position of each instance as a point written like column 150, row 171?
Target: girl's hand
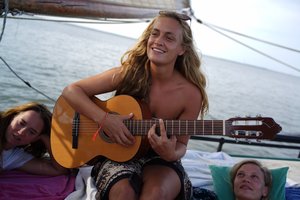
column 165, row 147
column 116, row 130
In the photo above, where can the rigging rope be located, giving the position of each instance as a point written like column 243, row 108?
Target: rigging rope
column 253, row 38
column 214, row 28
column 7, row 65
column 4, row 19
column 26, row 82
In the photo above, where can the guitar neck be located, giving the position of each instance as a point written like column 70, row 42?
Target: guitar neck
column 178, row 127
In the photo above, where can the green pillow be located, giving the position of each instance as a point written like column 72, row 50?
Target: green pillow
column 223, row 189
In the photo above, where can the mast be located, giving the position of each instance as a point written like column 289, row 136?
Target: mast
column 94, row 9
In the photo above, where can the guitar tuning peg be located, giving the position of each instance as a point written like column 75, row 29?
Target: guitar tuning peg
column 258, row 115
column 258, row 140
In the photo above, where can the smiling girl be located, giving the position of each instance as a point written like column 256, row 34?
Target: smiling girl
column 25, row 140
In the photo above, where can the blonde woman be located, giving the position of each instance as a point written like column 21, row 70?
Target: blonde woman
column 163, row 71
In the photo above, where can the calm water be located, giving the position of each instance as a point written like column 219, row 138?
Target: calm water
column 51, row 55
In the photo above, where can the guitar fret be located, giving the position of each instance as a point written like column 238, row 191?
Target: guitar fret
column 179, row 128
column 212, row 127
column 194, row 127
column 127, row 124
column 202, row 127
column 137, row 127
column 167, row 126
column 224, row 133
column 152, row 122
column 140, row 127
column 149, row 124
column 186, row 127
column 172, row 127
column 133, row 126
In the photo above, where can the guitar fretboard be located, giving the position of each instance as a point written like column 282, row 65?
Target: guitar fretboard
column 178, row 127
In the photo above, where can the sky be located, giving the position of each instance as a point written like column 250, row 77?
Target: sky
column 275, row 21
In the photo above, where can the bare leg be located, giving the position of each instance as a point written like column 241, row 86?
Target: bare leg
column 160, row 182
column 122, row 190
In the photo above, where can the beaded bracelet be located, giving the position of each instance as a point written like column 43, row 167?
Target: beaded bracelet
column 100, row 127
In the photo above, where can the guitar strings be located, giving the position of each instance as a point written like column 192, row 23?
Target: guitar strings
column 198, row 127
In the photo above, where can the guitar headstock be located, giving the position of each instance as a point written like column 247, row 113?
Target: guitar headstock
column 252, row 127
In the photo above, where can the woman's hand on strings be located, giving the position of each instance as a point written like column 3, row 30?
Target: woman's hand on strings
column 116, row 130
column 161, row 144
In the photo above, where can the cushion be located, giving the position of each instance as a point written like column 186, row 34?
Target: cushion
column 15, row 185
column 223, row 189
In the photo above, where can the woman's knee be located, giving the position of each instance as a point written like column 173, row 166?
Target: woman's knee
column 122, row 190
column 157, row 192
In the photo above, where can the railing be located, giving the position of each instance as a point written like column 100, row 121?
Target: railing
column 281, row 141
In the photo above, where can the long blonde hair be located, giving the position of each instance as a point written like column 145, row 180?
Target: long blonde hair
column 135, row 73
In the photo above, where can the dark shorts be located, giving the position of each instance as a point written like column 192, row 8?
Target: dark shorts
column 106, row 172
column 203, row 194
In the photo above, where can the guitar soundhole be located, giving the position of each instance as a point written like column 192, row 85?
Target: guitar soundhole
column 104, row 137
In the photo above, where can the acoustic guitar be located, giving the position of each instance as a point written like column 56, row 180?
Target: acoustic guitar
column 72, row 141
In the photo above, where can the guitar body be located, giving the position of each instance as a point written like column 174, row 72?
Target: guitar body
column 62, row 126
column 72, row 135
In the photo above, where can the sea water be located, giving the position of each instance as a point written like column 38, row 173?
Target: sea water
column 51, row 55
